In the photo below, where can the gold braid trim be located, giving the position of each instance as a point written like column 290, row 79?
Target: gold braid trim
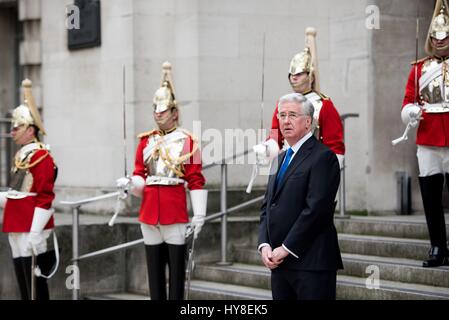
column 171, row 163
column 28, row 165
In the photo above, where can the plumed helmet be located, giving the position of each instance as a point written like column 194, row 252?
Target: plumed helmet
column 164, row 97
column 27, row 113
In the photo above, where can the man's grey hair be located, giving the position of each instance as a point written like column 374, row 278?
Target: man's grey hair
column 305, row 105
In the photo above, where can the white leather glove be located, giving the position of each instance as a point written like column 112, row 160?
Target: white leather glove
column 134, row 183
column 411, row 113
column 2, row 199
column 123, row 183
column 40, row 220
column 199, row 206
column 197, row 223
column 266, row 151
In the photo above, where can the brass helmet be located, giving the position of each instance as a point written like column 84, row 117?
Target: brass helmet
column 301, row 62
column 164, row 97
column 27, row 114
column 439, row 27
column 306, row 60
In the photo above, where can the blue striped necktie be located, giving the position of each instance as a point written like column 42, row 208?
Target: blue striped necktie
column 284, row 166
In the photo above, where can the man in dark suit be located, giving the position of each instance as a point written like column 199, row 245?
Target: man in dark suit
column 297, row 237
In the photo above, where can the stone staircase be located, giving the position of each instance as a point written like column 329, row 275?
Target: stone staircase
column 395, row 245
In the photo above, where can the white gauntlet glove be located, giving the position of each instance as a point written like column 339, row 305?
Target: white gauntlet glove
column 199, row 205
column 266, row 151
column 40, row 219
column 411, row 113
column 2, row 199
column 135, row 184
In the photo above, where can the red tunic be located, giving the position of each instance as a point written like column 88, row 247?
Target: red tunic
column 433, row 129
column 330, row 128
column 167, row 204
column 18, row 213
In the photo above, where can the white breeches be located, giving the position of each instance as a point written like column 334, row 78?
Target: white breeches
column 171, row 234
column 19, row 243
column 432, row 160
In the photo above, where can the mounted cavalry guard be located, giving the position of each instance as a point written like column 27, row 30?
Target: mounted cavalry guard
column 426, row 105
column 28, row 216
column 167, row 159
column 304, row 79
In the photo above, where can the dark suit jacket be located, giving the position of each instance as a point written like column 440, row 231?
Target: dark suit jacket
column 299, row 213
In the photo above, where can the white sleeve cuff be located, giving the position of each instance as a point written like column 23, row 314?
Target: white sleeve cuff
column 2, row 199
column 40, row 219
column 262, row 245
column 290, row 251
column 137, row 185
column 406, row 110
column 272, row 148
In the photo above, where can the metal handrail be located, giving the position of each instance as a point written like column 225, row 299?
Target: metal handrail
column 90, row 200
column 226, row 160
column 342, row 190
column 75, row 205
column 134, row 243
column 224, row 211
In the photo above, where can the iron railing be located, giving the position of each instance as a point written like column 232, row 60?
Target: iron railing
column 224, row 211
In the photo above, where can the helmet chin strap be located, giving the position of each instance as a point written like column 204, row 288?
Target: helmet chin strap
column 439, row 52
column 302, row 86
column 164, row 120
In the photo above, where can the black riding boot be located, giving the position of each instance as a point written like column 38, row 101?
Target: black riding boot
column 431, row 192
column 45, row 263
column 19, row 268
column 177, row 266
column 156, row 262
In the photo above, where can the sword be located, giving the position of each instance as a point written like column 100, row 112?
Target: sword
column 413, row 122
column 255, row 172
column 123, row 194
column 190, row 262
column 33, row 276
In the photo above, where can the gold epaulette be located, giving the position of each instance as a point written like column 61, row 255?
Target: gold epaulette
column 147, row 134
column 420, row 60
column 27, row 164
column 188, row 133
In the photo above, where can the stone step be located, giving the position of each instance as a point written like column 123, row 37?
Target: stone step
column 396, row 269
column 117, row 296
column 199, row 290
column 393, row 269
column 209, row 290
column 412, row 227
column 348, row 287
column 416, row 249
column 354, row 288
column 384, row 246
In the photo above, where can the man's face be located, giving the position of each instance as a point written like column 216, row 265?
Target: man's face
column 293, row 123
column 300, row 82
column 167, row 119
column 441, row 45
column 22, row 134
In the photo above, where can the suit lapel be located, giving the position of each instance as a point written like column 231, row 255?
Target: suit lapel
column 272, row 179
column 303, row 153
